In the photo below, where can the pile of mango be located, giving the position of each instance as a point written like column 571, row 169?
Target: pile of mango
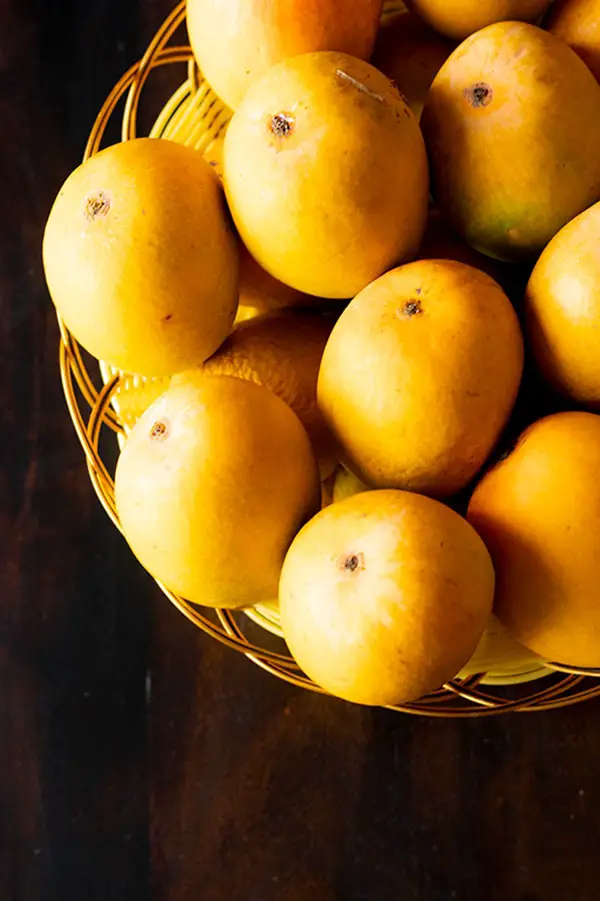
column 392, row 284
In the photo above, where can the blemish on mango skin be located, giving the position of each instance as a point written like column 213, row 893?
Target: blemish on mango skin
column 281, row 125
column 411, row 308
column 159, row 431
column 479, row 94
column 97, row 206
column 351, row 563
column 363, row 88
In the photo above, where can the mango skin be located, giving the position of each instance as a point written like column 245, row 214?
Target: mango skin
column 215, row 480
column 236, row 41
column 562, row 306
column 385, row 596
column 577, row 22
column 419, row 377
column 512, row 127
column 537, row 511
column 140, row 257
column 326, row 174
column 460, row 18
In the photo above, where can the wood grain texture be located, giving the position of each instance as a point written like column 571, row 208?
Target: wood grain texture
column 140, row 760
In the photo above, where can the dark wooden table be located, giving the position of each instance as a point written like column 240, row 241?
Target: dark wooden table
column 140, row 760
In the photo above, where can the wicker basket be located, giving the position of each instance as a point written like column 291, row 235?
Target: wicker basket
column 195, row 116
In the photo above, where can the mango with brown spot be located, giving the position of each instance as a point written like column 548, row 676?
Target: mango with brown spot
column 419, row 376
column 512, row 126
column 326, row 174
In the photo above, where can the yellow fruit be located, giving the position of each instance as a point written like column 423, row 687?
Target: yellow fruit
column 281, row 351
column 563, row 309
column 237, row 41
column 385, row 596
column 411, row 54
column 461, row 18
column 140, row 259
column 538, row 512
column 420, row 375
column 346, row 484
column 578, row 23
column 512, row 125
column 326, row 174
column 214, row 481
column 262, row 293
